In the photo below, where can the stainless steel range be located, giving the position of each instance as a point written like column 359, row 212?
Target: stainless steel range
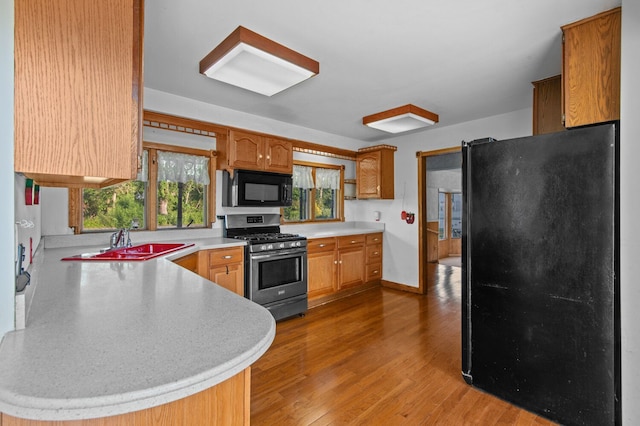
column 275, row 263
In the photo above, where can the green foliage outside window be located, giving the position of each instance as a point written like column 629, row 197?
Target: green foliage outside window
column 114, row 207
column 192, row 201
column 325, row 204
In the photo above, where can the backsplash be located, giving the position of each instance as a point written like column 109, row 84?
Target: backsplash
column 28, row 219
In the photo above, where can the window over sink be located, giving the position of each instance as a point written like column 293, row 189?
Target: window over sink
column 172, row 190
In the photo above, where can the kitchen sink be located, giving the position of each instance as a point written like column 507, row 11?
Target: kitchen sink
column 125, row 254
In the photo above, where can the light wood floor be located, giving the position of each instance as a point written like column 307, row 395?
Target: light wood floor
column 378, row 357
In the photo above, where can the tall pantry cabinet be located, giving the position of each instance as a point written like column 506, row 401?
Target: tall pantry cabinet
column 78, row 90
column 591, row 69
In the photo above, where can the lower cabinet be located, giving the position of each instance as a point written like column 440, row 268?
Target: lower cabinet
column 351, row 261
column 322, row 265
column 224, row 267
column 342, row 264
column 226, row 403
column 189, row 262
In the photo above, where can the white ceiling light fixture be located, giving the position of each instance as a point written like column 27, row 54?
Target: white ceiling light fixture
column 401, row 119
column 253, row 62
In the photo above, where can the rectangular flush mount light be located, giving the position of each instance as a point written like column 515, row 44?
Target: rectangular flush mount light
column 401, row 119
column 253, row 62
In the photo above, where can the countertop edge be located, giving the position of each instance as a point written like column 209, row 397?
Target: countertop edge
column 91, row 408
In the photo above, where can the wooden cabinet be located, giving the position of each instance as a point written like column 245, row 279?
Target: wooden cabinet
column 250, row 151
column 78, row 91
column 227, row 403
column 189, row 262
column 375, row 172
column 322, row 266
column 373, row 269
column 224, row 267
column 591, row 69
column 351, row 261
column 547, row 105
column 339, row 266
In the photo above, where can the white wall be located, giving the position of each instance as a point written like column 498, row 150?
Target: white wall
column 630, row 207
column 7, row 249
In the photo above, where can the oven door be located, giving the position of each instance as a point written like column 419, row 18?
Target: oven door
column 276, row 275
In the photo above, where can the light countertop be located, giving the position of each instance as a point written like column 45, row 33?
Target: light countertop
column 107, row 338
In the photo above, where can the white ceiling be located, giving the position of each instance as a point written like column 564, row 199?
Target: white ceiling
column 462, row 59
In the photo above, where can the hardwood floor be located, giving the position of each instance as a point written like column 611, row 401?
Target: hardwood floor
column 377, row 357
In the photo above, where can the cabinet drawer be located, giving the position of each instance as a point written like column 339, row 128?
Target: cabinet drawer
column 226, row 256
column 374, row 253
column 350, row 241
column 374, row 272
column 374, row 238
column 321, row 244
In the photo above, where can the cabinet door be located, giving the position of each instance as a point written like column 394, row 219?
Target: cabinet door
column 547, row 105
column 246, row 150
column 78, row 86
column 368, row 175
column 351, row 267
column 279, row 156
column 591, row 69
column 322, row 273
column 230, row 277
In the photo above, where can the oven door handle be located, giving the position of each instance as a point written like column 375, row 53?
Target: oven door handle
column 279, row 253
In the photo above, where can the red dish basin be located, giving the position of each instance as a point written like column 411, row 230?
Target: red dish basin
column 140, row 252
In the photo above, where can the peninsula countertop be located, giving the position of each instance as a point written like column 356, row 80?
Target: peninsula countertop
column 107, row 338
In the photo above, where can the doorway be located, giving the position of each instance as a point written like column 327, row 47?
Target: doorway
column 440, row 210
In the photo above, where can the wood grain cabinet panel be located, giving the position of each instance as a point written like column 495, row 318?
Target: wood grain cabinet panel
column 339, row 266
column 227, row 403
column 223, row 266
column 189, row 262
column 322, row 265
column 373, row 269
column 78, row 91
column 375, row 173
column 251, row 151
column 547, row 105
column 591, row 69
column 279, row 155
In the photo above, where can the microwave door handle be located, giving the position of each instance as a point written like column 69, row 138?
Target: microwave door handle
column 285, row 195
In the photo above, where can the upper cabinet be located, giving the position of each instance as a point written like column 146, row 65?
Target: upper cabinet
column 547, row 105
column 375, row 172
column 591, row 69
column 250, row 151
column 78, row 90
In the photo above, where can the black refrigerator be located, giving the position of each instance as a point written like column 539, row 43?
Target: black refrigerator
column 540, row 296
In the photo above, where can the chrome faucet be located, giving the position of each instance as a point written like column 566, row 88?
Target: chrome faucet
column 122, row 237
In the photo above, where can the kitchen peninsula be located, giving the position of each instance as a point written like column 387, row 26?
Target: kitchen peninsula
column 131, row 341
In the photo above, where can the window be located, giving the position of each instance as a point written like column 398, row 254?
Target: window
column 442, row 215
column 171, row 191
column 456, row 215
column 317, row 193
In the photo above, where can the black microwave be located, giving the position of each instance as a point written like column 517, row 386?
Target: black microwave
column 247, row 188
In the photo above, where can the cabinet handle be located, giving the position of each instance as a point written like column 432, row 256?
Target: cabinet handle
column 259, row 156
column 321, row 245
column 376, row 253
column 375, row 272
column 335, row 262
column 268, row 157
column 227, row 269
column 341, row 262
column 353, row 241
column 227, row 257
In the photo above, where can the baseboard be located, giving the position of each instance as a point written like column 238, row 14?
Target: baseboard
column 401, row 287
